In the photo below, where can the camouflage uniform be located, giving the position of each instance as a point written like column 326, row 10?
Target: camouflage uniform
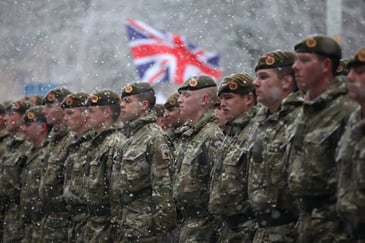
column 55, row 223
column 12, row 163
column 194, row 162
column 350, row 156
column 312, row 176
column 228, row 192
column 75, row 188
column 141, row 183
column 268, row 191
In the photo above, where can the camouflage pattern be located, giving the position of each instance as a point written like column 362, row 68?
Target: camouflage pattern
column 228, row 189
column 100, row 159
column 75, row 188
column 141, row 192
column 312, row 173
column 55, row 222
column 31, row 205
column 268, row 191
column 351, row 183
column 3, row 134
column 194, row 162
column 12, row 162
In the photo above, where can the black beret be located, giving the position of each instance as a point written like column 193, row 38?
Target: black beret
column 55, row 95
column 34, row 114
column 358, row 59
column 75, row 100
column 137, row 88
column 322, row 45
column 172, row 101
column 239, row 83
column 197, row 82
column 103, row 97
column 275, row 59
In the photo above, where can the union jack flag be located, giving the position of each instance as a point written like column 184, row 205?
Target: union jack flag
column 162, row 56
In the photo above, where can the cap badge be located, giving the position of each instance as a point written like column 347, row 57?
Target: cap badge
column 30, row 115
column 94, row 99
column 172, row 101
column 16, row 105
column 193, row 82
column 232, row 85
column 310, row 42
column 69, row 101
column 269, row 60
column 51, row 97
column 128, row 89
column 361, row 55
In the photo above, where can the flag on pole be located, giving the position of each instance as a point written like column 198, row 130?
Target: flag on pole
column 163, row 56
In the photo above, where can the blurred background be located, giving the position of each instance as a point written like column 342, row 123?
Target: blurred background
column 82, row 44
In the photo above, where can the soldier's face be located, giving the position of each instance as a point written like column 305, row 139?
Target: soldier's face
column 309, row 70
column 75, row 119
column 32, row 130
column 12, row 121
column 172, row 116
column 356, row 84
column 54, row 113
column 220, row 118
column 232, row 105
column 269, row 88
column 189, row 103
column 94, row 116
column 131, row 108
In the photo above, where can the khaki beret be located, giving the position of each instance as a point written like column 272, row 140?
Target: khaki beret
column 103, row 97
column 358, row 59
column 55, row 95
column 172, row 101
column 137, row 88
column 75, row 100
column 20, row 106
column 275, row 59
column 34, row 114
column 322, row 45
column 239, row 83
column 197, row 82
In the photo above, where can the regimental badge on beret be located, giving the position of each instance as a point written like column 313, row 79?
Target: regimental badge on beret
column 340, row 68
column 30, row 116
column 193, row 82
column 94, row 99
column 361, row 55
column 128, row 89
column 17, row 105
column 269, row 59
column 172, row 101
column 311, row 42
column 51, row 97
column 69, row 101
column 232, row 85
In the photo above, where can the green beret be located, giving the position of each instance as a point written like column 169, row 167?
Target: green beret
column 34, row 99
column 172, row 101
column 55, row 95
column 239, row 83
column 322, row 45
column 103, row 97
column 159, row 110
column 342, row 68
column 275, row 59
column 19, row 106
column 75, row 100
column 137, row 88
column 34, row 114
column 358, row 59
column 197, row 82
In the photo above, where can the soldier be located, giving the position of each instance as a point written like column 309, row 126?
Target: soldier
column 172, row 116
column 275, row 207
column 220, row 118
column 36, row 130
column 194, row 158
column 3, row 135
column 228, row 189
column 159, row 110
column 51, row 184
column 141, row 182
column 102, row 112
column 350, row 154
column 318, row 128
column 13, row 161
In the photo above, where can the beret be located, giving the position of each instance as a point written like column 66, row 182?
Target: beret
column 358, row 59
column 197, row 82
column 75, row 100
column 34, row 114
column 137, row 88
column 275, row 59
column 322, row 45
column 103, row 97
column 240, row 83
column 55, row 96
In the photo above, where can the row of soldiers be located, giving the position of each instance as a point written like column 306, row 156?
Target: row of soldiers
column 277, row 158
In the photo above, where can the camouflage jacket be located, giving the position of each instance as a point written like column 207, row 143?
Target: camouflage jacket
column 318, row 129
column 12, row 162
column 351, row 161
column 268, row 175
column 76, row 165
column 51, row 185
column 228, row 184
column 30, row 201
column 141, row 181
column 194, row 162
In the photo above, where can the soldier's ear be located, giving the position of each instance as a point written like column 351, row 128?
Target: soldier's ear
column 288, row 82
column 145, row 105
